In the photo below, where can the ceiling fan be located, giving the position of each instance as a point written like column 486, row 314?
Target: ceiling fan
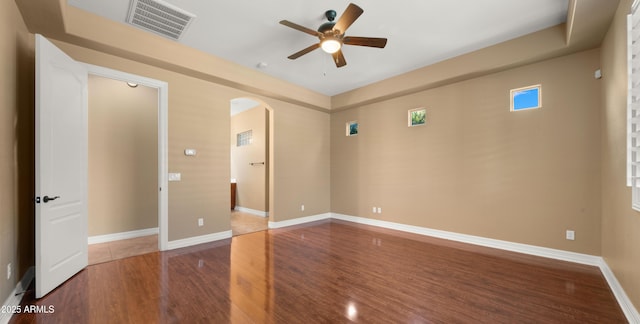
column 331, row 35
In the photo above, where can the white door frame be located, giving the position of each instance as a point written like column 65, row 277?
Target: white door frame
column 163, row 107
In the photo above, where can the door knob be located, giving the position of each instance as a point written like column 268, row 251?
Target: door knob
column 47, row 199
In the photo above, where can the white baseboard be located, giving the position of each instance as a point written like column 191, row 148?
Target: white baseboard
column 297, row 221
column 252, row 211
column 199, row 240
column 122, row 236
column 478, row 240
column 623, row 300
column 16, row 295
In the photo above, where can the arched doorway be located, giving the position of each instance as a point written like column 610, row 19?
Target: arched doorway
column 251, row 165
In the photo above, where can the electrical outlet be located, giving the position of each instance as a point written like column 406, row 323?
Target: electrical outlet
column 301, row 207
column 571, row 235
column 379, row 210
column 200, row 222
column 8, row 271
column 374, row 210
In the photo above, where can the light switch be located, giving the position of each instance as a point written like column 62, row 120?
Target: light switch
column 174, row 176
column 571, row 235
column 190, row 152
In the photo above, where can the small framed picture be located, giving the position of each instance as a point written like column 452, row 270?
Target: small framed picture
column 417, row 117
column 352, row 128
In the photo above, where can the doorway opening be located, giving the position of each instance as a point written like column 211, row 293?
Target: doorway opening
column 127, row 189
column 61, row 163
column 251, row 165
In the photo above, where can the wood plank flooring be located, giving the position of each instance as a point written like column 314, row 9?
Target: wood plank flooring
column 120, row 249
column 243, row 223
column 331, row 272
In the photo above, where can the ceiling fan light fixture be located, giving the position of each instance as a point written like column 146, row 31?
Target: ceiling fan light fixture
column 332, row 37
column 331, row 45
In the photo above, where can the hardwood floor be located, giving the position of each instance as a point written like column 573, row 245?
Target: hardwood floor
column 109, row 251
column 331, row 272
column 243, row 223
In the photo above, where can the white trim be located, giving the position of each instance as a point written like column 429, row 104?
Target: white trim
column 14, row 299
column 163, row 129
column 252, row 211
column 199, row 240
column 298, row 221
column 478, row 240
column 122, row 235
column 623, row 300
column 630, row 168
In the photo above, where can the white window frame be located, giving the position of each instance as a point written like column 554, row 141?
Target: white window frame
column 633, row 105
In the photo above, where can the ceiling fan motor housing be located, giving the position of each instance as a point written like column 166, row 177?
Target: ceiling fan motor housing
column 331, row 16
column 326, row 26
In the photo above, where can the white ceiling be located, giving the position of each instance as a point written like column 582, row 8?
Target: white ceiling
column 239, row 105
column 419, row 32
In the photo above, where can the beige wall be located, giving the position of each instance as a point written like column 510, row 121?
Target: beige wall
column 251, row 179
column 620, row 224
column 199, row 118
column 123, row 157
column 301, row 156
column 16, row 147
column 477, row 168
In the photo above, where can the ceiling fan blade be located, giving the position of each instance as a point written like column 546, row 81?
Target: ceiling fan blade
column 365, row 41
column 304, row 51
column 300, row 28
column 348, row 17
column 338, row 58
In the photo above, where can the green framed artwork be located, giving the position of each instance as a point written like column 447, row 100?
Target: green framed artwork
column 417, row 117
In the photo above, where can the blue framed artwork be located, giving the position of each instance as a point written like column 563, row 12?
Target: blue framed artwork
column 526, row 98
column 352, row 128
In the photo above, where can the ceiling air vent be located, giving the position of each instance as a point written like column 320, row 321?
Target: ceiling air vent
column 159, row 17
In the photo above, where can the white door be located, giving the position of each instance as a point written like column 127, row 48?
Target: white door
column 61, row 167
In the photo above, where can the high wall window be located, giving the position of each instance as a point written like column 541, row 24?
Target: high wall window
column 244, row 138
column 526, row 98
column 633, row 105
